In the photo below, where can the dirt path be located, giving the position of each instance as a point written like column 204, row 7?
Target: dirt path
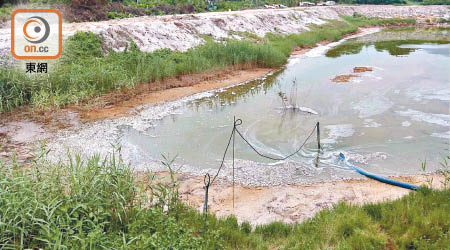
column 291, row 203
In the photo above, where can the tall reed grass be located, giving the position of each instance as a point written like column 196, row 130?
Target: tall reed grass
column 99, row 203
column 86, row 204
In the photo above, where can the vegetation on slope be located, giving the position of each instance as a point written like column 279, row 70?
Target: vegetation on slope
column 99, row 203
column 97, row 10
column 84, row 71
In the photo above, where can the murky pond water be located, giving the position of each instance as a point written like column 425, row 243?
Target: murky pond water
column 386, row 120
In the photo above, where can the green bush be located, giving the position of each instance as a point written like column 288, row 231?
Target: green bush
column 82, row 46
column 274, row 230
column 5, row 11
column 233, row 5
column 118, row 15
column 246, row 228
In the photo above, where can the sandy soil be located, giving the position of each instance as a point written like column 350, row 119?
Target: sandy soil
column 290, row 203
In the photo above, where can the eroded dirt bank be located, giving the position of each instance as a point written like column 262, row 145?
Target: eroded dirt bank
column 181, row 32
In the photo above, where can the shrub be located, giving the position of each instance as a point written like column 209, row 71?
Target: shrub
column 246, row 228
column 274, row 230
column 82, row 46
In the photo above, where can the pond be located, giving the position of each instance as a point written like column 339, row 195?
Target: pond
column 386, row 121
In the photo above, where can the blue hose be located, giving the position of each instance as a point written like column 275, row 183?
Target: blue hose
column 378, row 178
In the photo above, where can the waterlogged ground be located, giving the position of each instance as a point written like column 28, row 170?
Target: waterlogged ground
column 386, row 121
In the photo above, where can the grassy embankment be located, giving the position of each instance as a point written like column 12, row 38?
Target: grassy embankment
column 97, row 10
column 84, row 72
column 100, row 204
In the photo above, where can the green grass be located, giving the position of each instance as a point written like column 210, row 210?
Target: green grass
column 435, row 2
column 361, row 20
column 99, row 203
column 84, row 72
column 332, row 31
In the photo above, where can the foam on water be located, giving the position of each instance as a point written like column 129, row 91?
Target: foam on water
column 406, row 123
column 305, row 110
column 429, row 94
column 439, row 119
column 445, row 135
column 372, row 105
column 370, row 123
column 338, row 131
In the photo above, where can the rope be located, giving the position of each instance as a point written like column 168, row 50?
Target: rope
column 235, row 129
column 273, row 158
column 236, row 123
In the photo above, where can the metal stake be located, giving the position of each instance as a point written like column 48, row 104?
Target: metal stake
column 318, row 136
column 207, row 182
column 234, row 129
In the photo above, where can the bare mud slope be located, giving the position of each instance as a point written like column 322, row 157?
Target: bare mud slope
column 181, row 32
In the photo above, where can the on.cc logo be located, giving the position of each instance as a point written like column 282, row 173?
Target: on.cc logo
column 36, row 34
column 39, row 26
